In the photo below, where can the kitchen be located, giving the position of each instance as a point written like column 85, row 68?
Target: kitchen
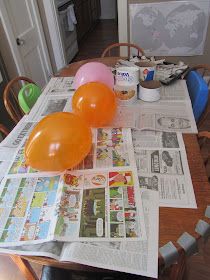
column 61, row 27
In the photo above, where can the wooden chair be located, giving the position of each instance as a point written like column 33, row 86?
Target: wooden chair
column 10, row 97
column 3, row 130
column 204, row 143
column 107, row 51
column 198, row 81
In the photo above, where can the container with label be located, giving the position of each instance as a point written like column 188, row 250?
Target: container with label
column 126, row 94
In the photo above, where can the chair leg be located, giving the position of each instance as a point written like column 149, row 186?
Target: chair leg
column 25, row 267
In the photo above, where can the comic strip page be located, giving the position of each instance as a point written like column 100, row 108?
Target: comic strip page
column 138, row 257
column 100, row 205
column 28, row 210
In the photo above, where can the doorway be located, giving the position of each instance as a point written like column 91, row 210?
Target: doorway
column 102, row 34
column 22, row 25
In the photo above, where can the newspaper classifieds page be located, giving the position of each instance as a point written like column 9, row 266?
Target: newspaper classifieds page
column 162, row 164
column 140, row 257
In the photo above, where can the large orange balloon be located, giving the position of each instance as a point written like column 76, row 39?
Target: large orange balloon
column 58, row 142
column 95, row 102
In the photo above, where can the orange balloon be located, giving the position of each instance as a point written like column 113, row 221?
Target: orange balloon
column 95, row 102
column 58, row 142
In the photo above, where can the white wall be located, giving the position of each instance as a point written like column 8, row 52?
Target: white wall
column 108, row 9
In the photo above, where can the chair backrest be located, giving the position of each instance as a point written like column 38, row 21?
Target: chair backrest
column 3, row 131
column 28, row 96
column 198, row 91
column 107, row 51
column 10, row 97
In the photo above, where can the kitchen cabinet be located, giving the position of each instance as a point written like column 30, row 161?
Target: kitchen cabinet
column 87, row 13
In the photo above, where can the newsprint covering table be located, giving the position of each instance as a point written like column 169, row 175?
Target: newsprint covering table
column 173, row 222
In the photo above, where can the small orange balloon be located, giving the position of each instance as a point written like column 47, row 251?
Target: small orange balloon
column 95, row 102
column 58, row 142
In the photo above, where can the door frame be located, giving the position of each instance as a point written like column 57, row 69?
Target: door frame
column 55, row 33
column 12, row 41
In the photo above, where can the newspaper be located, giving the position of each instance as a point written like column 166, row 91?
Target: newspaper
column 139, row 257
column 48, row 105
column 162, row 165
column 79, row 204
column 172, row 113
column 112, row 147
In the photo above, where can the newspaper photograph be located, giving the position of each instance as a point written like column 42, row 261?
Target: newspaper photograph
column 163, row 166
column 138, row 257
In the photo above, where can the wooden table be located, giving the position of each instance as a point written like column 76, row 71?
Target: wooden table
column 173, row 221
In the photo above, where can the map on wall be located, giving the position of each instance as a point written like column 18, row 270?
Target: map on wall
column 170, row 28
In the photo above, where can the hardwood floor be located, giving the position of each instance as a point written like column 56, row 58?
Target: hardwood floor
column 104, row 34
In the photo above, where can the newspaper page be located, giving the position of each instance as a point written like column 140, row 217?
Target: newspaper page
column 94, row 203
column 28, row 209
column 114, row 166
column 112, row 147
column 139, row 257
column 51, row 249
column 72, row 207
column 22, row 129
column 59, row 86
column 50, row 105
column 172, row 113
column 6, row 156
column 162, row 164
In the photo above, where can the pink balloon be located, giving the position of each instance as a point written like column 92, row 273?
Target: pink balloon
column 94, row 72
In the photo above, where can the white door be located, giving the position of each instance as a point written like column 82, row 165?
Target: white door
column 28, row 39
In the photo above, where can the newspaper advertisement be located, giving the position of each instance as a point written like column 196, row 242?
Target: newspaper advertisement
column 162, row 165
column 139, row 257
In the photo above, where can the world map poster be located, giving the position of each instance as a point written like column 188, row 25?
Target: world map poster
column 170, row 28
